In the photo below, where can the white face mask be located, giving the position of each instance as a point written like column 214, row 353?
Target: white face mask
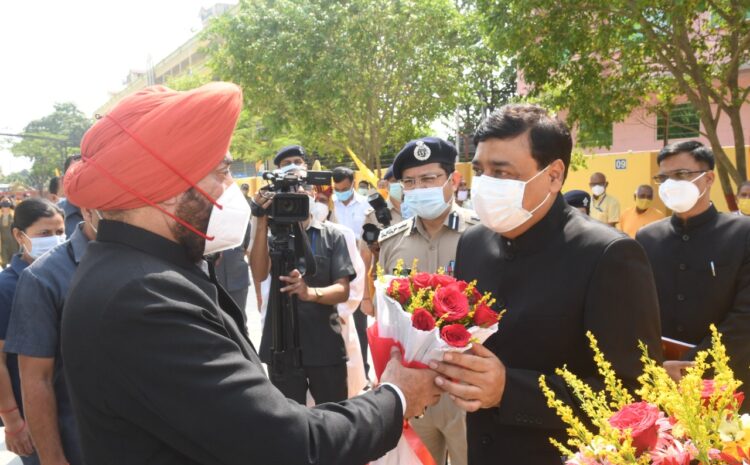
column 499, row 202
column 680, row 196
column 227, row 225
column 42, row 245
column 319, row 211
column 597, row 190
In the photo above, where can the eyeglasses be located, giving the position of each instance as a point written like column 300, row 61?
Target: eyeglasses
column 682, row 175
column 428, row 180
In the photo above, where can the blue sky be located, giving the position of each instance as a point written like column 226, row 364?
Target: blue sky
column 79, row 51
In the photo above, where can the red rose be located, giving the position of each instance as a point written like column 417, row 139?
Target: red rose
column 475, row 296
column 484, row 316
column 708, row 390
column 641, row 419
column 460, row 285
column 421, row 281
column 455, row 335
column 399, row 289
column 422, row 319
column 441, row 280
column 450, row 303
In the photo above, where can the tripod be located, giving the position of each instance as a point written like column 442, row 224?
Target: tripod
column 287, row 241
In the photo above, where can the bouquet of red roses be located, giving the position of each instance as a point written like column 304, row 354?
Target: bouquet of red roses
column 425, row 315
column 428, row 314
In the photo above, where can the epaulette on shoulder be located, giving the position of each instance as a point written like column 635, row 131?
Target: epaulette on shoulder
column 395, row 229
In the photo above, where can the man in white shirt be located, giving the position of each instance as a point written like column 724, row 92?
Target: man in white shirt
column 349, row 206
column 350, row 209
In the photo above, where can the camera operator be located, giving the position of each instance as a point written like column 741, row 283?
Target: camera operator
column 322, row 347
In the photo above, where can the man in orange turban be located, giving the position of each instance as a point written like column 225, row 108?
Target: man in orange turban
column 159, row 365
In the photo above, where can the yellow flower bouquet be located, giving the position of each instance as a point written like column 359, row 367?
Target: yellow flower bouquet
column 694, row 420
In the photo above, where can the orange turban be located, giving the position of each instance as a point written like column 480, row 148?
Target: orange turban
column 154, row 145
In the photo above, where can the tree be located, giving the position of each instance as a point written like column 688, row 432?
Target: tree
column 353, row 73
column 49, row 140
column 250, row 141
column 601, row 59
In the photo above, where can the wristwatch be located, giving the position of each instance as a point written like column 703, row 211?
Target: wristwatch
column 318, row 294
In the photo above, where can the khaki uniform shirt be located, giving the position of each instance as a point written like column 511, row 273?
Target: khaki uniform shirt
column 408, row 240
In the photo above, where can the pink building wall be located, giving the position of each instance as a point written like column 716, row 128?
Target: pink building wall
column 638, row 131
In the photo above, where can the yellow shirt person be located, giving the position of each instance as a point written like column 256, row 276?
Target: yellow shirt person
column 604, row 207
column 634, row 218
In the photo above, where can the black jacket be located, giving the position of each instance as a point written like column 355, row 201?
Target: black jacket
column 566, row 275
column 161, row 371
column 702, row 272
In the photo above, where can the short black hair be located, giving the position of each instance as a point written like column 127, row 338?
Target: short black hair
column 448, row 168
column 696, row 149
column 341, row 173
column 31, row 210
column 54, row 185
column 739, row 188
column 69, row 161
column 549, row 136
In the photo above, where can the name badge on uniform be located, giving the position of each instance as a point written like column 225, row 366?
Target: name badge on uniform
column 453, row 221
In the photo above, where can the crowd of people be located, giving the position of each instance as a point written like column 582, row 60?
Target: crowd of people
column 123, row 324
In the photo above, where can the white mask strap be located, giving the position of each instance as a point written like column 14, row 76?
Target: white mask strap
column 540, row 205
column 536, row 175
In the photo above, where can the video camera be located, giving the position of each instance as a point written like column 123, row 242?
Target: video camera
column 370, row 232
column 288, row 205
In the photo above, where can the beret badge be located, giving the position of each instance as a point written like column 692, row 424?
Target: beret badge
column 422, row 152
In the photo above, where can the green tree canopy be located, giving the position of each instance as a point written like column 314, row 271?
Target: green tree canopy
column 49, row 140
column 601, row 59
column 359, row 73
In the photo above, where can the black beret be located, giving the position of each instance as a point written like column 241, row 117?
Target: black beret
column 423, row 151
column 288, row 151
column 578, row 199
column 389, row 173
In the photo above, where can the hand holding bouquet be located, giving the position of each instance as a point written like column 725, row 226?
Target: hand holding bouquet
column 428, row 314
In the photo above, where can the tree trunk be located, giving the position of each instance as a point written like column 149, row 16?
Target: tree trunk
column 726, row 188
column 739, row 141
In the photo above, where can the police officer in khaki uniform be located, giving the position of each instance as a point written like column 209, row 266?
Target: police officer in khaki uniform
column 426, row 169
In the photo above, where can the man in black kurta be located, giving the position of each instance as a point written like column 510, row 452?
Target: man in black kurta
column 700, row 258
column 158, row 362
column 559, row 274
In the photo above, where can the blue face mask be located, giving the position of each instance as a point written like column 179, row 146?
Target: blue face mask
column 396, row 191
column 427, row 203
column 344, row 196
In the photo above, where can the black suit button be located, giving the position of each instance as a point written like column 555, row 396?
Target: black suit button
column 685, row 237
column 509, row 256
column 681, row 297
column 683, row 267
column 485, row 440
column 680, row 328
